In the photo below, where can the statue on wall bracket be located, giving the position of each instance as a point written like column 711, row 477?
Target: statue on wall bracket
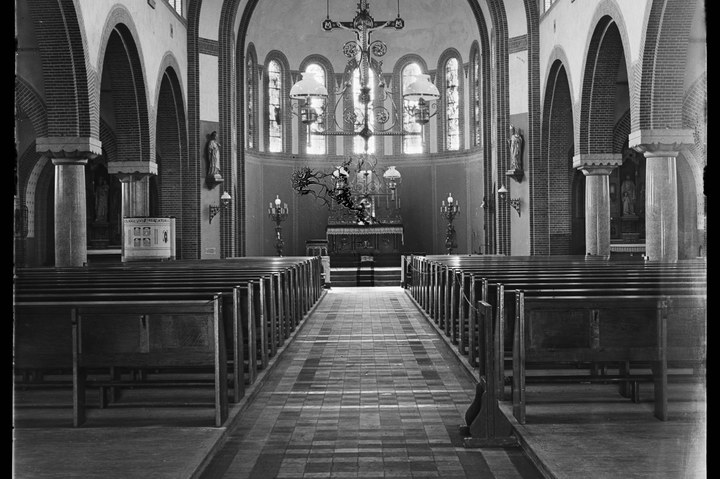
column 213, row 177
column 516, row 149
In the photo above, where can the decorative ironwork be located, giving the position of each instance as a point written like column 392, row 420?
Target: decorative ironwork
column 354, row 185
column 278, row 214
column 449, row 212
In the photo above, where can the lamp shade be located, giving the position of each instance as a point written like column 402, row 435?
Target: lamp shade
column 308, row 87
column 225, row 196
column 391, row 173
column 422, row 87
column 502, row 190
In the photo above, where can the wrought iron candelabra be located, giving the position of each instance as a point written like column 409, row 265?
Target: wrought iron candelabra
column 278, row 213
column 449, row 211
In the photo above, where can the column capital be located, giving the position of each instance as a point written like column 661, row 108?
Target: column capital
column 661, row 142
column 69, row 148
column 597, row 163
column 134, row 169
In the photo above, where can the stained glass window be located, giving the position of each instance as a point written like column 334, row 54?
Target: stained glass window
column 411, row 144
column 452, row 102
column 317, row 144
column 275, row 130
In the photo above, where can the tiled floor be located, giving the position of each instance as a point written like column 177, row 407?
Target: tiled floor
column 366, row 389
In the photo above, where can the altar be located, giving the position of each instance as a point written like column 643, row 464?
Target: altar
column 364, row 239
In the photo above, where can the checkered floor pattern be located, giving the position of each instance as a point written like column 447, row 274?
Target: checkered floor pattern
column 366, row 389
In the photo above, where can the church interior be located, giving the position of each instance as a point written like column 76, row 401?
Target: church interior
column 360, row 238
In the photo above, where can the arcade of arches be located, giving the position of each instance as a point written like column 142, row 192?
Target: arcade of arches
column 116, row 102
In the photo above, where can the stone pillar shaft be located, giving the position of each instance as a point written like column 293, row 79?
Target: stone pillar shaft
column 597, row 215
column 597, row 169
column 661, row 209
column 70, row 213
column 135, row 196
column 661, row 148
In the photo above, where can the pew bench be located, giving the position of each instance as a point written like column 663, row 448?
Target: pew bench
column 148, row 334
column 613, row 329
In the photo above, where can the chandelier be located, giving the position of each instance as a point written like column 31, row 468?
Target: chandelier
column 366, row 118
column 370, row 118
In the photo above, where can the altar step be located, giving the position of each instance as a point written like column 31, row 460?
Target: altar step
column 365, row 276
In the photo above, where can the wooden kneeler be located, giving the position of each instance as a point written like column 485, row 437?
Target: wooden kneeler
column 485, row 425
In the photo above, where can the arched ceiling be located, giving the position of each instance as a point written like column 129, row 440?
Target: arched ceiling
column 294, row 27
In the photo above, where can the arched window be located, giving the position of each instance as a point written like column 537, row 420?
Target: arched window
column 359, row 142
column 250, row 103
column 411, row 144
column 316, row 143
column 275, row 88
column 452, row 105
column 477, row 99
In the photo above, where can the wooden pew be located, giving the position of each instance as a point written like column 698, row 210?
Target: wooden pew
column 147, row 334
column 448, row 286
column 270, row 297
column 655, row 330
column 43, row 339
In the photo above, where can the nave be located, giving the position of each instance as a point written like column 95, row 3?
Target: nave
column 367, row 386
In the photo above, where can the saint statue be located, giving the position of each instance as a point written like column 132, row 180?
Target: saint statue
column 214, row 157
column 515, row 141
column 627, row 190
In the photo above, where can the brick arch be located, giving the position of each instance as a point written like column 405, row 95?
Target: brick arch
column 500, row 117
column 252, row 136
column 695, row 118
column 402, row 62
column 29, row 102
column 607, row 12
column 35, row 194
column 189, row 231
column 441, row 84
column 620, row 135
column 534, row 135
column 596, row 122
column 170, row 66
column 109, row 141
column 172, row 151
column 552, row 171
column 659, row 80
column 232, row 53
column 72, row 97
column 134, row 130
column 30, row 165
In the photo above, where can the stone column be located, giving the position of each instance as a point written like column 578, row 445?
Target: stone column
column 70, row 212
column 70, row 155
column 135, row 195
column 135, row 179
column 597, row 169
column 661, row 148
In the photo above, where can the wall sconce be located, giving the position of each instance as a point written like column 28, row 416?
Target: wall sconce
column 224, row 203
column 514, row 202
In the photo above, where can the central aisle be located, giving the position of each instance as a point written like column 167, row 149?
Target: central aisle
column 367, row 388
